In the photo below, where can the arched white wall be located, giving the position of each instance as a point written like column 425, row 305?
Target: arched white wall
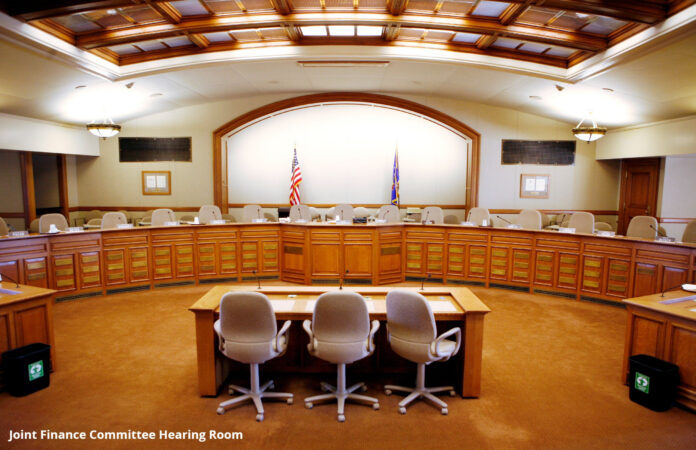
column 346, row 154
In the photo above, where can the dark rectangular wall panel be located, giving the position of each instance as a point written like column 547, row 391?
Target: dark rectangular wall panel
column 551, row 153
column 142, row 149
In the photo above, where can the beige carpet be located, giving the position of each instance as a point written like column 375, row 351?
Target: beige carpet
column 550, row 379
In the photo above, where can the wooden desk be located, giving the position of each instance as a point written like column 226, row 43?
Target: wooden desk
column 665, row 327
column 26, row 318
column 469, row 315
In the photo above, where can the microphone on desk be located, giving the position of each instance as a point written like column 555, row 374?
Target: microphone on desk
column 673, row 287
column 340, row 279
column 427, row 214
column 9, row 278
column 258, row 280
column 423, row 280
column 659, row 232
column 504, row 220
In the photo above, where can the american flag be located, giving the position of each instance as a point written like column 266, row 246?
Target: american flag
column 295, row 180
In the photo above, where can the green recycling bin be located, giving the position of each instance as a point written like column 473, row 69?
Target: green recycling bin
column 27, row 369
column 652, row 382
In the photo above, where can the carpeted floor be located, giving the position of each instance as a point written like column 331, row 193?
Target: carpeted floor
column 550, row 379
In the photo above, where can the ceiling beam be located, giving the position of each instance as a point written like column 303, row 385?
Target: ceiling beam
column 513, row 12
column 581, row 41
column 485, row 41
column 167, row 11
column 397, row 7
column 649, row 12
column 282, row 6
column 199, row 40
column 45, row 9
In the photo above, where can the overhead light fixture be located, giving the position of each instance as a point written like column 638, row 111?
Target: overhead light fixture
column 104, row 129
column 587, row 133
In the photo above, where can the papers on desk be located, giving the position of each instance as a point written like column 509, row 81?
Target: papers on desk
column 283, row 305
column 439, row 306
column 309, row 306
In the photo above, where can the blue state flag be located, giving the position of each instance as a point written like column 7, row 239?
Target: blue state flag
column 395, row 180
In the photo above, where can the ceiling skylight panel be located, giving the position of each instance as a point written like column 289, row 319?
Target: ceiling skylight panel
column 466, row 38
column 368, row 30
column 177, row 41
column 317, row 30
column 221, row 36
column 533, row 47
column 189, row 7
column 490, row 9
column 342, row 30
column 149, row 46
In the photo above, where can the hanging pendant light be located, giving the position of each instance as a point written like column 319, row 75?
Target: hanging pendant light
column 587, row 133
column 104, row 129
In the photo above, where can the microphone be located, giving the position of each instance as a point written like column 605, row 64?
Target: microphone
column 673, row 287
column 427, row 214
column 423, row 282
column 340, row 286
column 258, row 280
column 9, row 278
column 659, row 232
column 504, row 220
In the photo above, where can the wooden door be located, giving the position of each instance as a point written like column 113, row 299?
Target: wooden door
column 639, row 180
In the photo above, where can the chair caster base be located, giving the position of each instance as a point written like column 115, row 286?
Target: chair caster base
column 259, row 417
column 452, row 393
column 308, row 405
column 402, row 410
column 444, row 411
column 341, row 418
column 388, row 392
column 220, row 411
column 375, row 406
column 289, row 401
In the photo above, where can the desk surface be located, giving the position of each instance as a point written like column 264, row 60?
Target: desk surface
column 25, row 293
column 675, row 303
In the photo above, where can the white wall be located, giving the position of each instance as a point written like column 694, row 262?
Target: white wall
column 677, row 192
column 32, row 135
column 674, row 137
column 11, row 187
column 346, row 154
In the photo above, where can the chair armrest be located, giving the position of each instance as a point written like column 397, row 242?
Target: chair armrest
column 307, row 325
column 443, row 336
column 283, row 331
column 218, row 331
column 371, row 336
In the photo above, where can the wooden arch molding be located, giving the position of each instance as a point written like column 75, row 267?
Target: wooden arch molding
column 220, row 155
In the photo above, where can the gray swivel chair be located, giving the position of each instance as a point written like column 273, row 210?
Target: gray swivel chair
column 583, row 222
column 478, row 215
column 412, row 334
column 251, row 213
column 529, row 219
column 56, row 219
column 390, row 213
column 340, row 333
column 642, row 227
column 344, row 212
column 113, row 220
column 208, row 213
column 300, row 212
column 433, row 214
column 4, row 229
column 690, row 232
column 161, row 216
column 247, row 333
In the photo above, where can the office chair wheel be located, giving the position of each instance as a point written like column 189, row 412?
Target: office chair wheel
column 363, row 388
column 259, row 417
column 289, row 401
column 452, row 393
column 444, row 411
column 388, row 391
column 341, row 418
column 308, row 405
column 271, row 386
column 375, row 406
column 402, row 409
column 220, row 411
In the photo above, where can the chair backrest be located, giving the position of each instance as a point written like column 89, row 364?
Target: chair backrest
column 94, row 223
column 93, row 214
column 361, row 212
column 582, row 221
column 642, row 227
column 433, row 214
column 113, row 219
column 162, row 215
column 478, row 215
column 208, row 213
column 251, row 212
column 603, row 226
column 390, row 213
column 409, row 317
column 58, row 220
column 314, row 213
column 4, row 230
column 34, row 226
column 341, row 325
column 344, row 212
column 300, row 212
column 689, row 232
column 248, row 325
column 529, row 219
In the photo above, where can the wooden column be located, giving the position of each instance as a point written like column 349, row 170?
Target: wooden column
column 28, row 194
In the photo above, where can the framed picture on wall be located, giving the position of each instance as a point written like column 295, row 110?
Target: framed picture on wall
column 157, row 182
column 534, row 186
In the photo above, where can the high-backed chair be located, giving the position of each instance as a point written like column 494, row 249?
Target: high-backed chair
column 161, row 216
column 602, row 226
column 478, row 215
column 314, row 213
column 433, row 214
column 642, row 227
column 412, row 334
column 340, row 333
column 229, row 218
column 34, row 226
column 113, row 220
column 56, row 219
column 300, row 212
column 361, row 212
column 146, row 219
column 390, row 213
column 4, row 230
column 251, row 213
column 208, row 213
column 93, row 223
column 583, row 222
column 344, row 212
column 248, row 333
column 529, row 219
column 689, row 232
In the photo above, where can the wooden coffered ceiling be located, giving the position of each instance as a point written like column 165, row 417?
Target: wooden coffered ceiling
column 559, row 33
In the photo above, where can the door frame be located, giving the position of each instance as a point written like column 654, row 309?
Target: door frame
column 652, row 206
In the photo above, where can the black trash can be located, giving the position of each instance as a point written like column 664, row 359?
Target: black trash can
column 27, row 369
column 652, row 382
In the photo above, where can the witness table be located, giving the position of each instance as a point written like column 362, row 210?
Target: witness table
column 453, row 305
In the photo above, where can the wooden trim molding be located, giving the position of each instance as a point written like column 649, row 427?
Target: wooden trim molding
column 220, row 151
column 28, row 193
column 133, row 208
column 596, row 212
column 63, row 185
column 675, row 219
column 331, row 205
column 12, row 215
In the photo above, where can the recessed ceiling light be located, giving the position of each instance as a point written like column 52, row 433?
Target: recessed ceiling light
column 365, row 30
column 111, row 12
column 341, row 30
column 156, row 94
column 535, row 97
